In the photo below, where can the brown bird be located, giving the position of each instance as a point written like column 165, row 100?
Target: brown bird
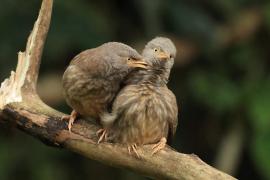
column 93, row 78
column 145, row 110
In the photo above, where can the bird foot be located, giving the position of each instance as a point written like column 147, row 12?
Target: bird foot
column 159, row 146
column 133, row 148
column 103, row 136
column 70, row 118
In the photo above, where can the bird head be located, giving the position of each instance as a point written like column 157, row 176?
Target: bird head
column 160, row 53
column 124, row 57
column 121, row 59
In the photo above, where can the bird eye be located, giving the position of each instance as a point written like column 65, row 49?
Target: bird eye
column 128, row 59
column 155, row 49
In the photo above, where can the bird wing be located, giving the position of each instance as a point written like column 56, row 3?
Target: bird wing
column 172, row 114
column 128, row 95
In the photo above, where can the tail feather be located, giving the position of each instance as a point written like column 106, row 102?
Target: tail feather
column 107, row 119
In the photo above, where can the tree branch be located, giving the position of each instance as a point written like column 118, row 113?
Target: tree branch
column 20, row 104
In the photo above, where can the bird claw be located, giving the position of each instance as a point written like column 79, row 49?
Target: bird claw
column 159, row 146
column 103, row 136
column 133, row 148
column 70, row 118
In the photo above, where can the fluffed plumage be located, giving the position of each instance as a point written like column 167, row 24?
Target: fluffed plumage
column 93, row 78
column 145, row 110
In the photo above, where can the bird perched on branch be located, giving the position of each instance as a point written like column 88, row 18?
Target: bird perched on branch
column 93, row 78
column 145, row 110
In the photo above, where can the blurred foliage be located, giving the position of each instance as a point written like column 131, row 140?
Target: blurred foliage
column 224, row 80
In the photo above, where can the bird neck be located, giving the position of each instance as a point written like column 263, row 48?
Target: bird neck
column 154, row 76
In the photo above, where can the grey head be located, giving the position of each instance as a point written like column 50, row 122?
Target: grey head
column 121, row 58
column 159, row 53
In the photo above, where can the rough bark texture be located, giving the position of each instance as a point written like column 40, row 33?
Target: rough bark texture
column 20, row 105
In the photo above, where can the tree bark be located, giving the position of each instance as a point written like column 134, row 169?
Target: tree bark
column 20, row 104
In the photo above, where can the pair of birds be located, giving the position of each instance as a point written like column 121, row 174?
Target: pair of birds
column 125, row 92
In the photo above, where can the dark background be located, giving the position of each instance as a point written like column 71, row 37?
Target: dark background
column 221, row 78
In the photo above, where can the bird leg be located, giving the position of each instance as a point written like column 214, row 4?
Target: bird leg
column 71, row 118
column 159, row 146
column 133, row 148
column 103, row 136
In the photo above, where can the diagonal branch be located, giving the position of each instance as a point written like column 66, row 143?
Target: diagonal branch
column 20, row 104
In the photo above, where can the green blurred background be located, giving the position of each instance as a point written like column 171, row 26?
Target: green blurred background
column 221, row 78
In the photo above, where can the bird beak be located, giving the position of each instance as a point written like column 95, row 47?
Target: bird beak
column 138, row 63
column 163, row 56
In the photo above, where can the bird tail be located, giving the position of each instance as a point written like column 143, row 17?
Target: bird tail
column 107, row 119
